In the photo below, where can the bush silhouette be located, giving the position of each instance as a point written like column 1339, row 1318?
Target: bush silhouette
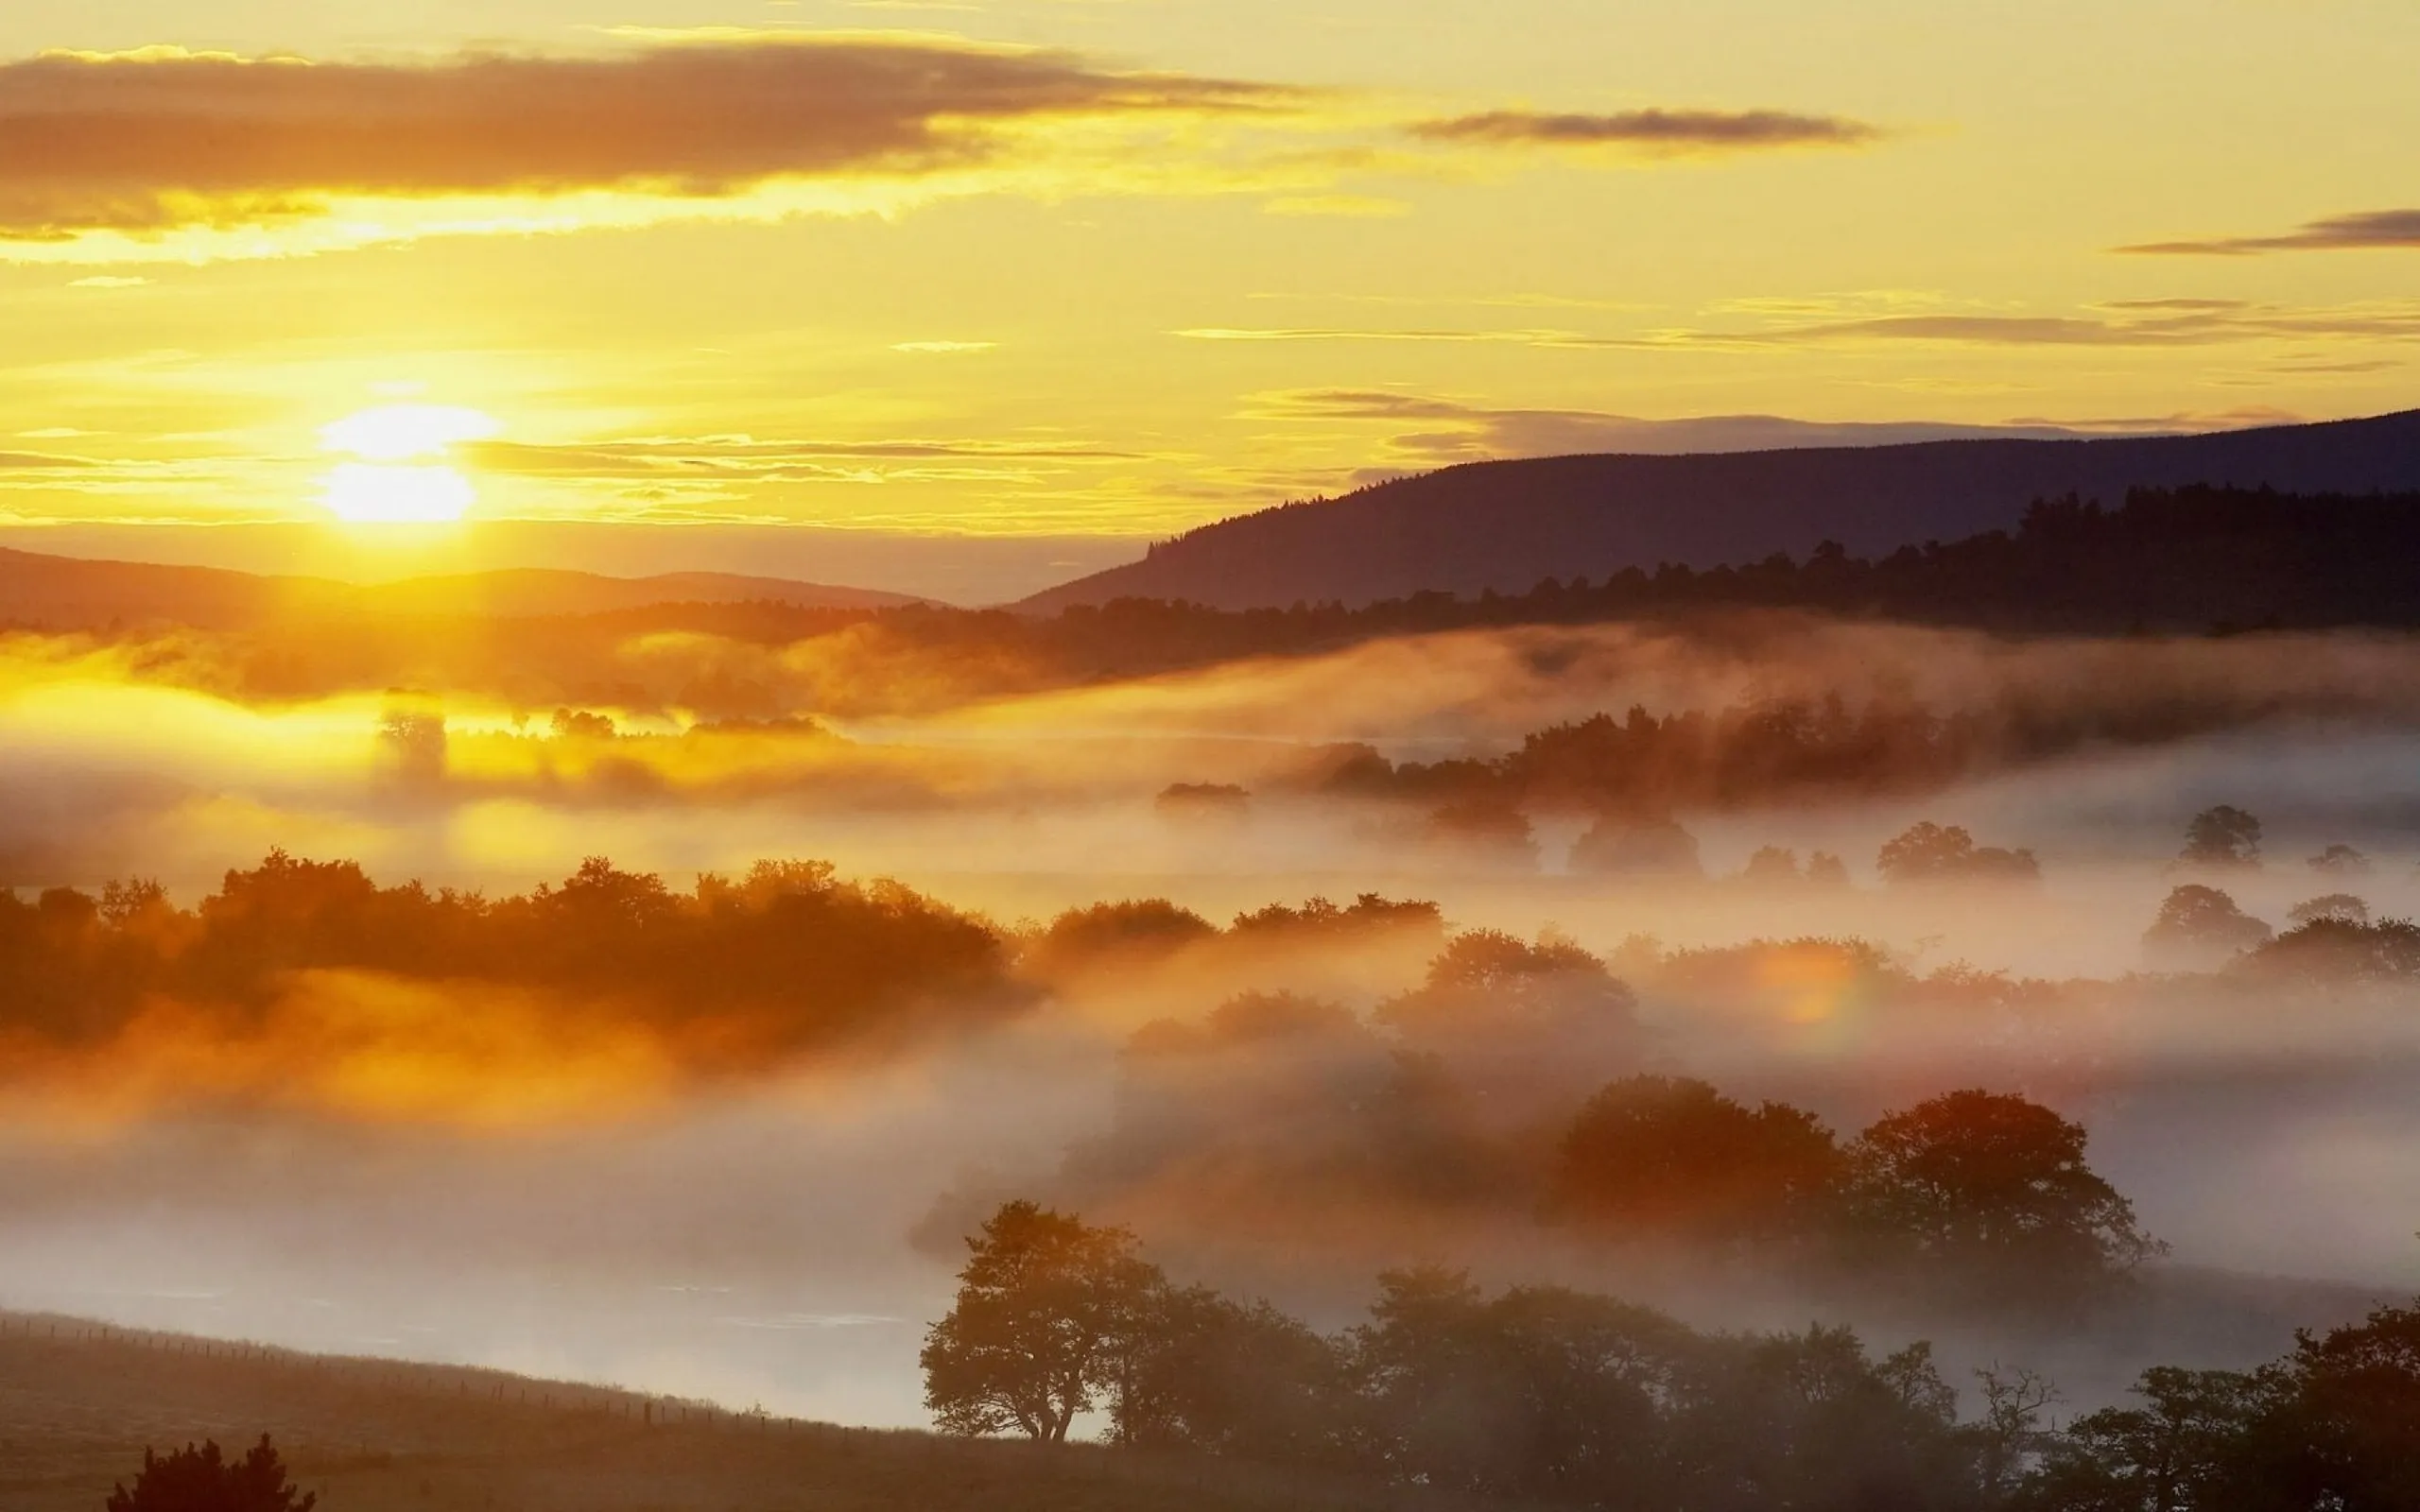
column 204, row 1480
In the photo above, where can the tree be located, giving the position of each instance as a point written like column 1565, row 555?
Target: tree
column 2183, row 1450
column 1518, row 1019
column 2336, row 1424
column 1928, row 852
column 1991, row 1188
column 1045, row 1311
column 201, row 1480
column 2222, row 836
column 1653, row 1157
column 1651, row 848
column 2340, row 861
column 2332, row 950
column 1205, row 1373
column 2354, row 1427
column 2340, row 906
column 1772, row 866
column 1483, row 831
column 1209, row 805
column 2199, row 925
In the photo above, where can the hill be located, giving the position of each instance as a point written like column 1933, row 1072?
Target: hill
column 1509, row 526
column 71, row 592
column 79, row 1403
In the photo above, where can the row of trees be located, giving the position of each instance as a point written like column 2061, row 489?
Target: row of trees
column 1562, row 1398
column 786, row 956
column 1763, row 753
column 1987, row 1194
column 2332, row 940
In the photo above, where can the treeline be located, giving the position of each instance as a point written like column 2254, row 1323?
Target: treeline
column 1765, row 753
column 2191, row 561
column 733, row 974
column 1560, row 1397
column 2203, row 559
column 2195, row 560
column 788, row 958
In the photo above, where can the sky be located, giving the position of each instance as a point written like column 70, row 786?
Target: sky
column 1098, row 272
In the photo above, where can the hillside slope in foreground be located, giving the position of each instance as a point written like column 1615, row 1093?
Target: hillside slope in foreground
column 79, row 1403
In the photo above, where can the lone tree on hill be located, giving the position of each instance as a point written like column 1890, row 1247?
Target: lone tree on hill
column 1047, row 1305
column 202, row 1480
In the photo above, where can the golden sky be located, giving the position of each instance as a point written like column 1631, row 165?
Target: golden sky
column 1121, row 267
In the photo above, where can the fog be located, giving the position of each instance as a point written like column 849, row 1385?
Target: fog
column 534, row 1172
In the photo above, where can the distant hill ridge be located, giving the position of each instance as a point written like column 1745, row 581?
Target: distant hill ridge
column 75, row 592
column 1510, row 526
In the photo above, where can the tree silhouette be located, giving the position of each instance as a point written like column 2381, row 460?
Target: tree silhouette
column 1643, row 848
column 1992, row 1189
column 2340, row 861
column 1929, row 853
column 1653, row 1157
column 1206, row 1373
column 2342, row 907
column 1047, row 1307
column 202, row 1480
column 2334, row 949
column 2199, row 925
column 2222, row 836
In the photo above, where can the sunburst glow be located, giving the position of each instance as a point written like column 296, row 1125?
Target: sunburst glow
column 398, row 433
column 383, row 494
column 398, row 478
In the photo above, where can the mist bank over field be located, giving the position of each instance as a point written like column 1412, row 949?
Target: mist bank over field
column 1517, row 775
column 756, row 1195
column 1306, row 966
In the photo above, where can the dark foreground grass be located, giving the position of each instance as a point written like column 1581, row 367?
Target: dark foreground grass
column 79, row 1403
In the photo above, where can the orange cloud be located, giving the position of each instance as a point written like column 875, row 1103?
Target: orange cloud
column 163, row 138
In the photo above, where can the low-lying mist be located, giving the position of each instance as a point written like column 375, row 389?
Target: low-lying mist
column 1301, row 968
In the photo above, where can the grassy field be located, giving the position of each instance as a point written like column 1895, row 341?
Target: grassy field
column 79, row 1403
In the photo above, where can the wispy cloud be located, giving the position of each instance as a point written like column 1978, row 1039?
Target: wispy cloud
column 2138, row 323
column 2169, row 322
column 1445, row 431
column 746, row 460
column 2365, row 229
column 1450, row 337
column 1657, row 132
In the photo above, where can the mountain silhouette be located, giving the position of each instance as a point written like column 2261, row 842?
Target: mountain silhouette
column 63, row 593
column 1510, row 526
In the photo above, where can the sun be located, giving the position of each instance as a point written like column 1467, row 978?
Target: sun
column 371, row 493
column 400, row 476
